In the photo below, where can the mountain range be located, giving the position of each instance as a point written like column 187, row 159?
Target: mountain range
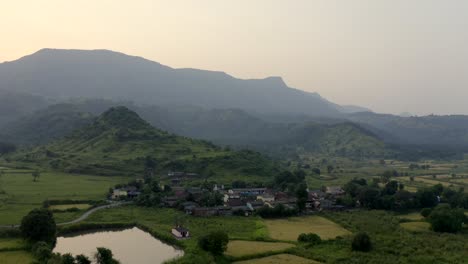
column 47, row 95
column 60, row 74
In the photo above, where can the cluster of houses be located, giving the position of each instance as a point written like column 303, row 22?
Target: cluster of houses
column 235, row 201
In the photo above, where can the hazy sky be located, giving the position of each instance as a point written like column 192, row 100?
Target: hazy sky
column 389, row 55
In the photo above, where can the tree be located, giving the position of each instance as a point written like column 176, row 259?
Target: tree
column 316, row 171
column 36, row 174
column 215, row 242
column 302, row 196
column 105, row 256
column 361, row 242
column 68, row 259
column 445, row 219
column 39, row 225
column 82, row 259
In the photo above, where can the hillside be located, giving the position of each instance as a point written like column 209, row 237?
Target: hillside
column 60, row 74
column 119, row 142
column 45, row 125
column 14, row 105
column 232, row 127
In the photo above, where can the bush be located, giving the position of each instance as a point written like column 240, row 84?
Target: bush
column 215, row 242
column 309, row 238
column 362, row 242
column 445, row 219
column 425, row 212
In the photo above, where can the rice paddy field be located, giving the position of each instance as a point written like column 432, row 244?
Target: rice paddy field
column 239, row 248
column 289, row 229
column 452, row 174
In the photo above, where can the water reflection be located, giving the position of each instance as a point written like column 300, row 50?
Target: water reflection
column 129, row 246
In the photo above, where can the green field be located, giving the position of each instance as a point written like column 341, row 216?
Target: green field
column 279, row 259
column 15, row 257
column 12, row 243
column 290, row 229
column 20, row 193
column 238, row 248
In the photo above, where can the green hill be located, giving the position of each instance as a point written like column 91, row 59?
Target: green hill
column 119, row 142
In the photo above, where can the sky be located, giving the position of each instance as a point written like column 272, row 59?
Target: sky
column 390, row 56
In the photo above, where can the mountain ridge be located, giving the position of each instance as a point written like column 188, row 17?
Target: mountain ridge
column 117, row 76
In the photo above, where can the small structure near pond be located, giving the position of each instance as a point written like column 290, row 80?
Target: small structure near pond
column 180, row 232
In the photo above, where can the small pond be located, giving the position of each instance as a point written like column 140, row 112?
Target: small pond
column 128, row 246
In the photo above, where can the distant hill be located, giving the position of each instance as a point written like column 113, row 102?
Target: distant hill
column 119, row 142
column 444, row 131
column 60, row 74
column 222, row 126
column 43, row 126
column 13, row 105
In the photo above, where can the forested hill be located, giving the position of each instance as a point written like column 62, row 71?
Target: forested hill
column 120, row 142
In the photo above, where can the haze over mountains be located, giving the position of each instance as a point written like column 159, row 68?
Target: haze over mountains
column 60, row 74
column 50, row 93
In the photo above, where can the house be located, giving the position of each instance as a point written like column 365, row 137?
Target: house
column 335, row 190
column 180, row 232
column 266, row 197
column 170, row 201
column 235, row 202
column 189, row 206
column 119, row 193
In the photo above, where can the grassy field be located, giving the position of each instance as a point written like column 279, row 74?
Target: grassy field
column 416, row 226
column 15, row 257
column 12, row 243
column 238, row 248
column 279, row 259
column 19, row 193
column 290, row 229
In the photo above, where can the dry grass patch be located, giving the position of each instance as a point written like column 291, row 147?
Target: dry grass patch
column 291, row 228
column 238, row 248
column 279, row 259
column 416, row 226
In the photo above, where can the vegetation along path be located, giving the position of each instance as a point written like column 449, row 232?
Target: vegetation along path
column 83, row 216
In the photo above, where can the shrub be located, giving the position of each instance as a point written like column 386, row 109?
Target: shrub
column 215, row 242
column 445, row 219
column 41, row 250
column 425, row 212
column 309, row 238
column 362, row 242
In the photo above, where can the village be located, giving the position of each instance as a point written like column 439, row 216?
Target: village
column 217, row 200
